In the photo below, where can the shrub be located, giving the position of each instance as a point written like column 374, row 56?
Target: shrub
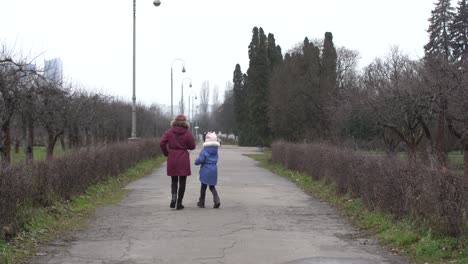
column 439, row 199
column 42, row 183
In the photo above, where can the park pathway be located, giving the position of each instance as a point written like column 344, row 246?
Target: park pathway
column 264, row 218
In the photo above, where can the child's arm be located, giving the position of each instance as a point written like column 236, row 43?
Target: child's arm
column 201, row 159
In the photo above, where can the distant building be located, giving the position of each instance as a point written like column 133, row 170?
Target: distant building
column 30, row 67
column 53, row 70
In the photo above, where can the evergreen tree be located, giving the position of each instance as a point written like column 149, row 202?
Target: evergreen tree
column 328, row 68
column 253, row 47
column 439, row 34
column 459, row 34
column 274, row 52
column 258, row 75
column 438, row 56
column 311, row 99
column 327, row 84
column 247, row 135
column 240, row 111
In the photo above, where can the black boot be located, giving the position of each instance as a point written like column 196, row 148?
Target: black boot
column 201, row 203
column 174, row 187
column 201, row 200
column 180, row 206
column 173, row 200
column 182, row 182
column 217, row 202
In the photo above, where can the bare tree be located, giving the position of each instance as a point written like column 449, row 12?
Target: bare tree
column 457, row 117
column 215, row 99
column 13, row 72
column 347, row 68
column 29, row 115
column 53, row 108
column 401, row 102
column 204, row 96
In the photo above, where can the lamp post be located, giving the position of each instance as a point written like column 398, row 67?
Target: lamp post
column 172, row 82
column 182, row 105
column 196, row 124
column 192, row 98
column 133, row 136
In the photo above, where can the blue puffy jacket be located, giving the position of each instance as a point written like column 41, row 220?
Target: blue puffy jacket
column 208, row 160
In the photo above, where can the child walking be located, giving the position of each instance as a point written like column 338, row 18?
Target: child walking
column 208, row 160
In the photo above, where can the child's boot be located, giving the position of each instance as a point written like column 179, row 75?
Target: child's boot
column 201, row 203
column 217, row 202
column 201, row 200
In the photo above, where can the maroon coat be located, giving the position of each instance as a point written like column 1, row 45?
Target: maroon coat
column 175, row 145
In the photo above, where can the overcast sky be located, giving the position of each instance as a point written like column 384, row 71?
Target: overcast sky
column 94, row 37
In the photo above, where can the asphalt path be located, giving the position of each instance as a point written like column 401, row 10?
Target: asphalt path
column 263, row 218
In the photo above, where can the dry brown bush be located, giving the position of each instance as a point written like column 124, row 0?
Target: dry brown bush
column 42, row 183
column 438, row 199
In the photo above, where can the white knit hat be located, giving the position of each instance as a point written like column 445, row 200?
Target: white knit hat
column 211, row 137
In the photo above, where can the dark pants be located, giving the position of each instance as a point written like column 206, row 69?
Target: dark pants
column 181, row 180
column 203, row 192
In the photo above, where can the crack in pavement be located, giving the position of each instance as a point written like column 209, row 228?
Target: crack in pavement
column 224, row 249
column 237, row 230
column 227, row 248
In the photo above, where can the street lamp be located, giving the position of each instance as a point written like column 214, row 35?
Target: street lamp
column 196, row 123
column 183, row 70
column 192, row 98
column 182, row 105
column 156, row 3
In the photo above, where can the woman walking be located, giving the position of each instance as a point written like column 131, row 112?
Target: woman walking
column 175, row 144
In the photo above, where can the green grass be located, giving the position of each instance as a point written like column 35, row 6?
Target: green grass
column 45, row 224
column 417, row 243
column 455, row 158
column 39, row 153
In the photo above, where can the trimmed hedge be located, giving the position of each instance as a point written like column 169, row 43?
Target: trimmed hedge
column 437, row 199
column 42, row 183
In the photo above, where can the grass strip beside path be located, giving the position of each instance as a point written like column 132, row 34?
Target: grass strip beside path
column 46, row 224
column 402, row 236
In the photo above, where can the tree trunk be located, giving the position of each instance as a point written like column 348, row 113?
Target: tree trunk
column 17, row 145
column 87, row 137
column 441, row 139
column 431, row 157
column 465, row 160
column 30, row 141
column 24, row 136
column 50, row 145
column 6, row 148
column 62, row 142
column 412, row 154
column 74, row 137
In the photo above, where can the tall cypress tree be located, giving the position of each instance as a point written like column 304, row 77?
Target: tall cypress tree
column 248, row 138
column 240, row 103
column 274, row 52
column 439, row 31
column 459, row 34
column 259, row 74
column 327, row 83
column 313, row 101
column 253, row 47
column 328, row 69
